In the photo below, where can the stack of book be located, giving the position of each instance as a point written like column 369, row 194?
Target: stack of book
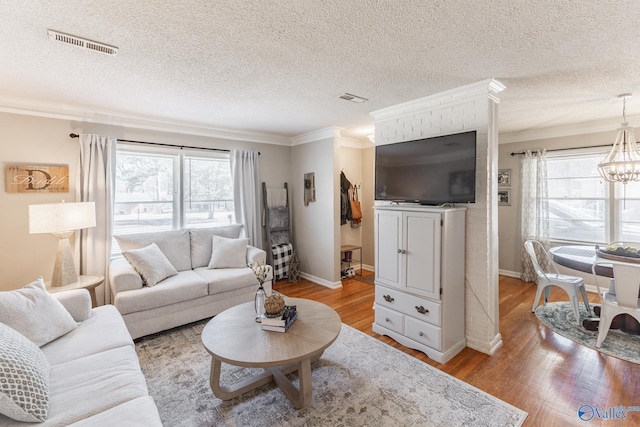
column 281, row 323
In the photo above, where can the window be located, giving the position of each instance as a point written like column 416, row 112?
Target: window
column 583, row 207
column 169, row 189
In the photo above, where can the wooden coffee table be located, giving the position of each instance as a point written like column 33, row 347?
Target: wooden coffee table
column 235, row 338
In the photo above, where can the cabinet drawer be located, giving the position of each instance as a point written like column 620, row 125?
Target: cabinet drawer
column 420, row 308
column 423, row 333
column 389, row 319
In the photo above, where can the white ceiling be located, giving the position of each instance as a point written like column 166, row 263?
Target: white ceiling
column 279, row 66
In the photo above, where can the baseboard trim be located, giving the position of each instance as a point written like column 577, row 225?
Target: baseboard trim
column 486, row 347
column 320, row 281
column 515, row 274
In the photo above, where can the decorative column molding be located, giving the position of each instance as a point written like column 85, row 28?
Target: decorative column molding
column 470, row 107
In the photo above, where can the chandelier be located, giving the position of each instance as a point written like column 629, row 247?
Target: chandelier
column 622, row 164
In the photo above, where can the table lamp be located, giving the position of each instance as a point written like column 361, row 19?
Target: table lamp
column 61, row 220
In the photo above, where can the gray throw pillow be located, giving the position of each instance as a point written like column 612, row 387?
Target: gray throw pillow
column 34, row 313
column 24, row 378
column 151, row 264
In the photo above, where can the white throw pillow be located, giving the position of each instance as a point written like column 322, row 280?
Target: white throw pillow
column 151, row 264
column 24, row 378
column 228, row 253
column 34, row 313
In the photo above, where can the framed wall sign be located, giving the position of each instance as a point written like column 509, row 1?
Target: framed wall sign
column 37, row 178
column 504, row 177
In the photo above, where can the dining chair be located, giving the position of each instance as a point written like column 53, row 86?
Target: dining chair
column 547, row 279
column 621, row 299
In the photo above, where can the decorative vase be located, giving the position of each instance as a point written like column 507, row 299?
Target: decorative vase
column 261, row 297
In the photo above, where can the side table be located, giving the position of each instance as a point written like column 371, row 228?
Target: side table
column 84, row 282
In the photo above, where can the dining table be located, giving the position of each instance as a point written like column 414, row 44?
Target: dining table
column 581, row 258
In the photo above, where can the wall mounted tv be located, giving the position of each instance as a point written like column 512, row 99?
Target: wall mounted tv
column 429, row 171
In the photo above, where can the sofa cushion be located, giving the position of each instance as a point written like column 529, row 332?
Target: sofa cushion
column 24, row 378
column 89, row 385
column 174, row 244
column 228, row 253
column 89, row 337
column 140, row 412
column 201, row 241
column 186, row 285
column 34, row 313
column 152, row 265
column 227, row 279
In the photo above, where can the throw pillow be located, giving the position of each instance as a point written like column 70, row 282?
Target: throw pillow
column 151, row 264
column 24, row 378
column 228, row 253
column 34, row 313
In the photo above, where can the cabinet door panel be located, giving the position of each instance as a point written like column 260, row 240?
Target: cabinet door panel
column 388, row 229
column 422, row 258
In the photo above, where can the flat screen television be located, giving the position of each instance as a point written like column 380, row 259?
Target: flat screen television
column 430, row 171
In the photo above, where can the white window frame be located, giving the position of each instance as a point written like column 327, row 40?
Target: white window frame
column 612, row 197
column 179, row 216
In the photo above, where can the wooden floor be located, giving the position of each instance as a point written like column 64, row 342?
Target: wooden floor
column 538, row 371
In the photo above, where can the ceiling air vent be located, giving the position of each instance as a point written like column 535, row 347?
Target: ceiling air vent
column 353, row 98
column 83, row 43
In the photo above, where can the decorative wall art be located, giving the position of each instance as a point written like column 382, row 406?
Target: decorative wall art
column 309, row 188
column 504, row 177
column 37, row 178
column 504, row 197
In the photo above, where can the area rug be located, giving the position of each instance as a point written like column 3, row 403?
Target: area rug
column 558, row 316
column 359, row 381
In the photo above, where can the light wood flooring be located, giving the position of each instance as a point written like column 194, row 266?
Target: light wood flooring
column 537, row 370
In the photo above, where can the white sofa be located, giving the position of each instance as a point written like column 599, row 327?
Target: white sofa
column 194, row 293
column 94, row 372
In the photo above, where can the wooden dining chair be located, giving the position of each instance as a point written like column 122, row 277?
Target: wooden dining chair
column 546, row 279
column 621, row 299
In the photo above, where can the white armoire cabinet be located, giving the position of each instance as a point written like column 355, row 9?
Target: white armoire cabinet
column 419, row 278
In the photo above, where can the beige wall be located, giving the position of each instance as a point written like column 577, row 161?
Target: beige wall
column 316, row 231
column 29, row 139
column 366, row 202
column 509, row 216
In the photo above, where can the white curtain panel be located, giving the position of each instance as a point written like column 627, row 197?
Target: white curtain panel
column 246, row 193
column 534, row 207
column 96, row 182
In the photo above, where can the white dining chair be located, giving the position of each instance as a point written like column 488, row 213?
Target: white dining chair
column 621, row 299
column 546, row 279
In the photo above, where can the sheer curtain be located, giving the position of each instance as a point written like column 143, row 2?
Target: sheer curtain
column 96, row 181
column 534, row 208
column 246, row 193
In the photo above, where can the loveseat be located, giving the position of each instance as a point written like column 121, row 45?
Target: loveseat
column 171, row 278
column 78, row 364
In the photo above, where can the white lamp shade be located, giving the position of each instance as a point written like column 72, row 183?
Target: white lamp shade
column 61, row 217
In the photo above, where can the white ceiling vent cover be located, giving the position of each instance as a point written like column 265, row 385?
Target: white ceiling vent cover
column 83, row 43
column 353, row 98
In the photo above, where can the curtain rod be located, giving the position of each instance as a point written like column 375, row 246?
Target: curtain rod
column 564, row 149
column 75, row 135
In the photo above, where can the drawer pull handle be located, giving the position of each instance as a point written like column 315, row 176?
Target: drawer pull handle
column 386, row 319
column 388, row 298
column 421, row 310
column 421, row 333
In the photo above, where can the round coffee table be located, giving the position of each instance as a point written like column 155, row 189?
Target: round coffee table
column 235, row 338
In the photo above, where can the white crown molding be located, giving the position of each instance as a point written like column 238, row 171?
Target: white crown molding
column 594, row 126
column 66, row 112
column 316, row 135
column 442, row 99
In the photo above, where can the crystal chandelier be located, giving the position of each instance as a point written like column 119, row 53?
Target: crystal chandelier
column 622, row 164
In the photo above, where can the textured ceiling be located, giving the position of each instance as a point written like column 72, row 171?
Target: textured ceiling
column 279, row 66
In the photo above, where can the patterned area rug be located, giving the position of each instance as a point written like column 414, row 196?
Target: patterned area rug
column 558, row 317
column 359, row 381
